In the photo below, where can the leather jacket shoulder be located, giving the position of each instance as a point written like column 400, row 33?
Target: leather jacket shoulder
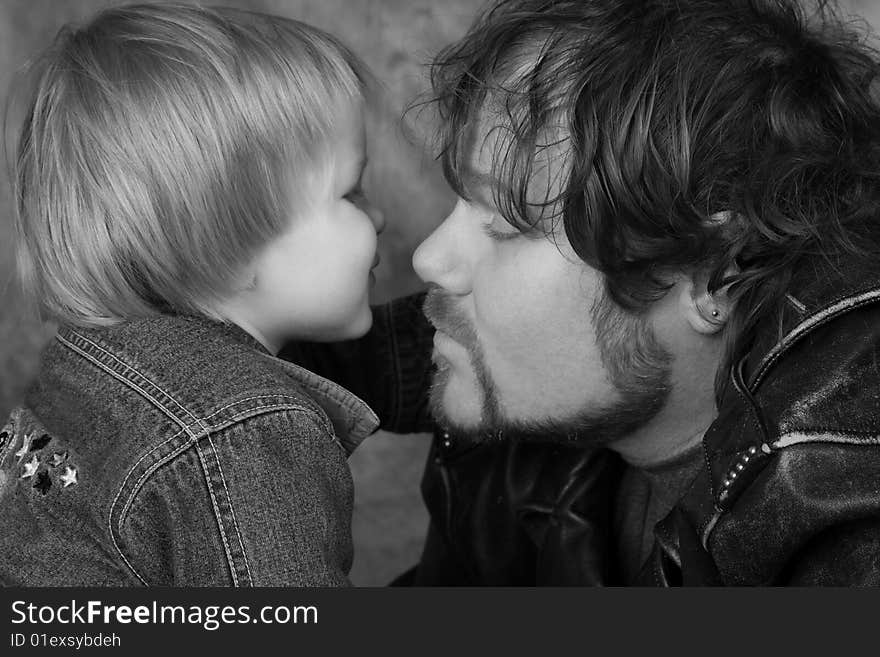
column 791, row 489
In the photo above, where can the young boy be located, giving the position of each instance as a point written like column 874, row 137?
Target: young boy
column 188, row 198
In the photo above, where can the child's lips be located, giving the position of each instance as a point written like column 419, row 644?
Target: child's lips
column 375, row 264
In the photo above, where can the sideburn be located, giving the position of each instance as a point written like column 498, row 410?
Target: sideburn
column 637, row 364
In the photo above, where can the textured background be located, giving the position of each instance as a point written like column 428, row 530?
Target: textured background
column 396, row 38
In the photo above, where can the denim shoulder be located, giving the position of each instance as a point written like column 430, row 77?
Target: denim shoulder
column 110, row 411
column 261, row 499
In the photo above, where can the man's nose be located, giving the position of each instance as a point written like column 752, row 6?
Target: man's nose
column 442, row 258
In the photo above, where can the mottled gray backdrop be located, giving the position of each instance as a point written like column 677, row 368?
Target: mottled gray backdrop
column 396, row 38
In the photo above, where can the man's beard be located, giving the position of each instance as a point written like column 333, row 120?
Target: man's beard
column 637, row 365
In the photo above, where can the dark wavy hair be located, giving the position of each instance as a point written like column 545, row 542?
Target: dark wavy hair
column 733, row 138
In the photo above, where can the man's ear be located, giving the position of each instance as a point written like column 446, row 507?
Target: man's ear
column 706, row 312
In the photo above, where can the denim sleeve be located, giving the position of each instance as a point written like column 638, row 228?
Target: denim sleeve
column 264, row 502
column 389, row 368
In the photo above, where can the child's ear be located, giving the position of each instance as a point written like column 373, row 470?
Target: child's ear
column 246, row 281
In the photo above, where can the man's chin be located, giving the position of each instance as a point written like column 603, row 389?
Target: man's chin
column 455, row 410
column 463, row 418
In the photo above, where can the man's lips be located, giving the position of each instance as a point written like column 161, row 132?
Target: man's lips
column 444, row 346
column 443, row 341
column 448, row 322
column 442, row 336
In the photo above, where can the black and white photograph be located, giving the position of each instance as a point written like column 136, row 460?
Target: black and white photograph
column 410, row 294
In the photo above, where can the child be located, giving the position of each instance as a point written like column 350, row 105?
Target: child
column 188, row 187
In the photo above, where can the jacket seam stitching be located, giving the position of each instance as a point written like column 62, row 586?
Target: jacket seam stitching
column 255, row 398
column 138, row 485
column 171, row 456
column 137, row 372
column 832, row 310
column 226, row 548
column 185, row 427
column 821, row 436
column 158, row 404
column 131, row 497
column 148, row 473
column 128, row 382
column 251, row 412
column 247, row 566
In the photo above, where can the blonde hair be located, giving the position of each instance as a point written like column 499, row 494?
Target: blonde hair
column 164, row 145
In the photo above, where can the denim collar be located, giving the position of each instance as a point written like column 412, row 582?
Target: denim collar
column 352, row 419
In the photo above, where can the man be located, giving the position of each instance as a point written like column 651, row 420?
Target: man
column 663, row 259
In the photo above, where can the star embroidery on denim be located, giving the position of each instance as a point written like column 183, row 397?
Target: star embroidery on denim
column 25, row 447
column 57, row 459
column 30, row 468
column 69, row 476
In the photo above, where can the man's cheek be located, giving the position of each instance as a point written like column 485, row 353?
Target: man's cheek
column 501, row 311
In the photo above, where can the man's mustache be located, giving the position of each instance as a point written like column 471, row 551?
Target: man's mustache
column 441, row 310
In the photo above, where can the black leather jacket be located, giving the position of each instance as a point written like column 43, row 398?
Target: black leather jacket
column 790, row 493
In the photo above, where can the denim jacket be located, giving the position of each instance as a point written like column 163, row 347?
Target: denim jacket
column 177, row 451
column 390, row 368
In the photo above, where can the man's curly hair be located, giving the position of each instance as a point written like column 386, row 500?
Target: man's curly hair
column 735, row 138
